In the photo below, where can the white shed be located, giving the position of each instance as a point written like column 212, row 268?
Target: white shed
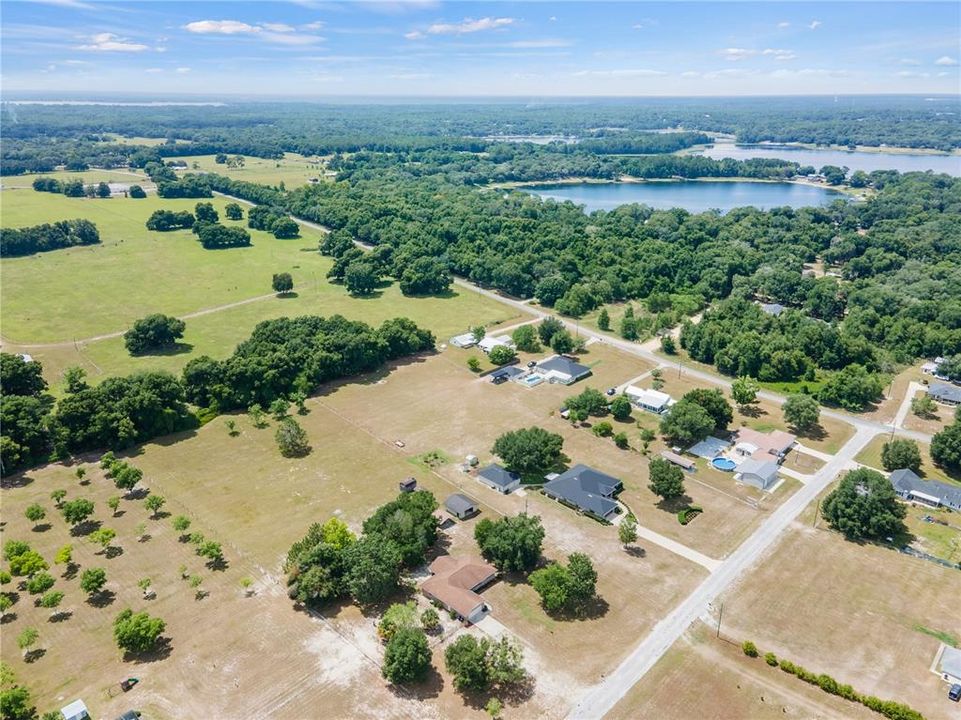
column 76, row 710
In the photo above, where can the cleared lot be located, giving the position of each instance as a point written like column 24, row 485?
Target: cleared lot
column 702, row 677
column 852, row 611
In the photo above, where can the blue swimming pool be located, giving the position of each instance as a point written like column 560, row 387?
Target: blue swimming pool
column 531, row 380
column 722, row 463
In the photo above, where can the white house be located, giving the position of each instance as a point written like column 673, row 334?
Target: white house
column 463, row 341
column 949, row 664
column 488, row 343
column 651, row 400
column 75, row 711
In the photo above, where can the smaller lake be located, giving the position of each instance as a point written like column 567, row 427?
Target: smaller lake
column 692, row 195
column 853, row 159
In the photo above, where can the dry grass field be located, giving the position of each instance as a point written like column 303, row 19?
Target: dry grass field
column 229, row 653
column 293, row 170
column 851, row 611
column 710, row 679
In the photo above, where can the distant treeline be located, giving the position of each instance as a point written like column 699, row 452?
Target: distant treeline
column 16, row 242
column 40, row 138
column 282, row 357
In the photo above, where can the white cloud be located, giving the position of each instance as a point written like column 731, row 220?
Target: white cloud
column 780, row 55
column 153, row 71
column 553, row 18
column 108, row 42
column 410, row 76
column 76, row 4
column 221, row 27
column 945, row 60
column 737, row 54
column 291, row 38
column 909, row 61
column 644, row 23
column 734, row 54
column 784, row 25
column 414, row 35
column 815, row 24
column 278, row 27
column 690, row 74
column 316, row 25
column 183, row 70
column 468, row 25
column 912, row 74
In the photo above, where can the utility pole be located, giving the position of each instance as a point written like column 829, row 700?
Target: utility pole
column 816, row 508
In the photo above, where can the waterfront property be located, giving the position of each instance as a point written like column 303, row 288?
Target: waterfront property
column 454, row 583
column 911, row 487
column 586, row 489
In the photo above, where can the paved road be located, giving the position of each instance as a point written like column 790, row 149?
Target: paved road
column 600, row 699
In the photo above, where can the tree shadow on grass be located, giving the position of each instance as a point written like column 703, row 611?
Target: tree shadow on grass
column 752, row 411
column 179, row 348
column 60, row 616
column 636, row 551
column 70, row 572
column 85, row 528
column 139, row 493
column 33, row 655
column 8, row 618
column 430, row 687
column 675, row 504
column 373, row 295
column 42, row 527
column 102, row 599
column 16, row 481
column 113, row 551
column 292, row 295
column 160, row 651
column 218, row 564
column 596, row 608
column 814, row 434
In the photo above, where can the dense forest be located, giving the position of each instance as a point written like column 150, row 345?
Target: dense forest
column 37, row 138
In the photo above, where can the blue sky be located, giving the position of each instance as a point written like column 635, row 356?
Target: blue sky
column 420, row 47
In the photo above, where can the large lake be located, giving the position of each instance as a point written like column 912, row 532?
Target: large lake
column 694, row 196
column 853, row 159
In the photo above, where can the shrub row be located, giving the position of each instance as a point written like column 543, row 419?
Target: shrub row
column 889, row 708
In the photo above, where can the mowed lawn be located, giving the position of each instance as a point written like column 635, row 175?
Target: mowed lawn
column 93, row 175
column 78, row 293
column 851, row 611
column 293, row 170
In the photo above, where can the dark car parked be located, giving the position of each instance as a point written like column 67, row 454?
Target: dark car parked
column 955, row 692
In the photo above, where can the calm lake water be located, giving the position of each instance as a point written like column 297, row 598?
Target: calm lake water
column 691, row 195
column 866, row 161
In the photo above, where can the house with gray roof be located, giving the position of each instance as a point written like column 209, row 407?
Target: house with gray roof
column 945, row 393
column 586, row 489
column 949, row 664
column 909, row 486
column 561, row 369
column 499, row 478
column 759, row 473
column 461, row 506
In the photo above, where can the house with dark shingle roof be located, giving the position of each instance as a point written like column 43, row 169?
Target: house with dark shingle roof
column 461, row 506
column 586, row 489
column 561, row 369
column 909, row 486
column 945, row 393
column 499, row 478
